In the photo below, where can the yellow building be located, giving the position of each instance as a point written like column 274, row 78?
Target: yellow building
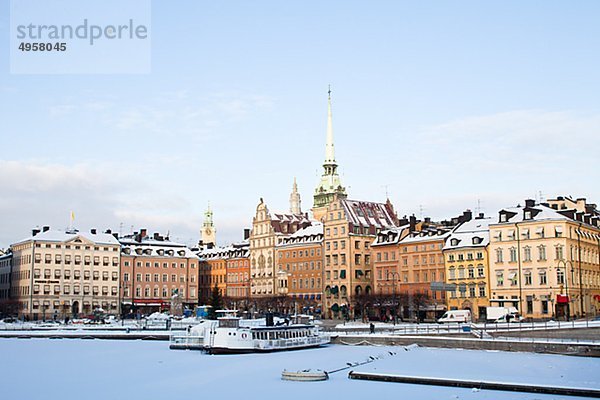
column 467, row 268
column 544, row 258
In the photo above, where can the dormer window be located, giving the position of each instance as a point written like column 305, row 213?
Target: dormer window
column 527, row 215
column 454, row 242
column 503, row 218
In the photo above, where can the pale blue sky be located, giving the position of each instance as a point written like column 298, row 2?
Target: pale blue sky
column 444, row 102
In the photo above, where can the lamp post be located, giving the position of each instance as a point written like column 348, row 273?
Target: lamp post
column 565, row 263
column 395, row 277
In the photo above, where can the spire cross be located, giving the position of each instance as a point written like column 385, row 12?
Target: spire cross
column 329, row 91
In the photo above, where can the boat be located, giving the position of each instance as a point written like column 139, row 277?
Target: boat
column 234, row 335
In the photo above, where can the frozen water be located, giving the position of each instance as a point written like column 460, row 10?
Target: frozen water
column 100, row 369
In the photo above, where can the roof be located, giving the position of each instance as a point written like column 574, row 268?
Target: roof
column 287, row 223
column 473, row 233
column 390, row 236
column 417, row 237
column 369, row 214
column 144, row 250
column 55, row 235
column 310, row 234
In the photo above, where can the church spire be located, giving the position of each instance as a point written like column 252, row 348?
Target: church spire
column 295, row 202
column 329, row 149
column 330, row 184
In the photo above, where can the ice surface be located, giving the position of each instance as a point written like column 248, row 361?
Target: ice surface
column 101, row 369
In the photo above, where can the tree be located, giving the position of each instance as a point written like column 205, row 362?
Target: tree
column 216, row 303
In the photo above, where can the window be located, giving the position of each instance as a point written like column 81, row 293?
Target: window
column 526, row 253
column 471, row 273
column 499, row 256
column 480, row 271
column 481, row 290
column 542, row 253
column 543, row 278
column 528, row 279
column 500, row 278
column 452, row 273
column 513, row 254
column 559, row 252
column 560, row 277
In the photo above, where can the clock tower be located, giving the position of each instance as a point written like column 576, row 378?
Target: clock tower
column 208, row 232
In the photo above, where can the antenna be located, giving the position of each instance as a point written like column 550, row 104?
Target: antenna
column 478, row 206
column 542, row 198
column 421, row 211
column 387, row 194
column 121, row 229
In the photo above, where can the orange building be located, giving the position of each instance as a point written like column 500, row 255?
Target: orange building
column 238, row 271
column 300, row 258
column 153, row 269
column 213, row 271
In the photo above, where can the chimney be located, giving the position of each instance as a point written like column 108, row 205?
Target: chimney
column 529, row 203
column 143, row 233
column 246, row 233
column 108, row 231
column 412, row 221
column 467, row 215
column 34, row 232
column 45, row 228
column 480, row 216
column 93, row 231
column 156, row 236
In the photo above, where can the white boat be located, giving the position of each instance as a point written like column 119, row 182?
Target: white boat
column 233, row 335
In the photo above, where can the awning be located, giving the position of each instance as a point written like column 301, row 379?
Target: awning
column 562, row 299
column 539, row 230
column 525, row 232
column 558, row 229
column 512, row 275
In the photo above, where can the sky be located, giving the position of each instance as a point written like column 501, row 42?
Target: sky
column 442, row 106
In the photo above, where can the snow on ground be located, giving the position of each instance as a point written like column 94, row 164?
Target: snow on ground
column 100, row 369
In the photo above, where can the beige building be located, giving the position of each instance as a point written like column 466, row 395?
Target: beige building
column 544, row 258
column 467, row 268
column 268, row 230
column 65, row 273
column 349, row 229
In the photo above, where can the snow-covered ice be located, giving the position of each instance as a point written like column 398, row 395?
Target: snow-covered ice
column 99, row 369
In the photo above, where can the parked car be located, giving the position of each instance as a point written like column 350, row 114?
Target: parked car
column 512, row 317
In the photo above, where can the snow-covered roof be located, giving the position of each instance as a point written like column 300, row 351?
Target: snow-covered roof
column 369, row 214
column 145, row 250
column 390, row 236
column 286, row 223
column 473, row 233
column 315, row 229
column 310, row 234
column 55, row 235
column 428, row 236
column 540, row 213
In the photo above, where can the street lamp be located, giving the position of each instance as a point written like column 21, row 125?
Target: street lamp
column 395, row 278
column 558, row 267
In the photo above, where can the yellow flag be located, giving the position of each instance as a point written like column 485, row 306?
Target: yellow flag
column 72, row 216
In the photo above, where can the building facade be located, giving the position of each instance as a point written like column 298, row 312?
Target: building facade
column 269, row 230
column 544, row 258
column 6, row 307
column 300, row 258
column 238, row 271
column 349, row 229
column 65, row 273
column 467, row 268
column 153, row 270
